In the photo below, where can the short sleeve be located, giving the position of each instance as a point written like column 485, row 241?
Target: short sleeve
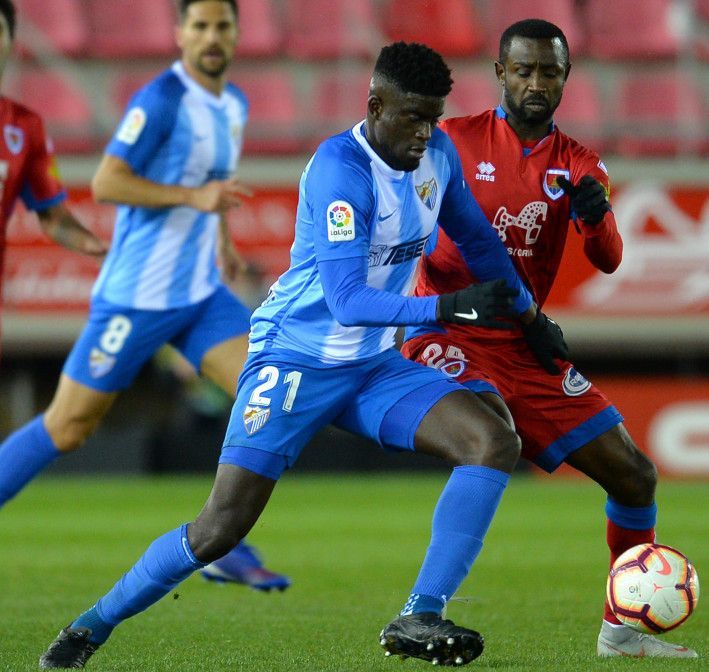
column 41, row 188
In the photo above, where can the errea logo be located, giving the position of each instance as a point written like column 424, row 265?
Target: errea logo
column 485, row 172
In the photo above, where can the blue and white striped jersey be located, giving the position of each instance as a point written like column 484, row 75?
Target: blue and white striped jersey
column 174, row 132
column 354, row 207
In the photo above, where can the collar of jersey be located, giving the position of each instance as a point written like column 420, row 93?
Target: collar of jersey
column 196, row 89
column 382, row 166
column 501, row 114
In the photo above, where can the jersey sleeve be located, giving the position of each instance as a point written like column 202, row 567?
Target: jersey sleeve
column 463, row 220
column 602, row 245
column 41, row 188
column 149, row 119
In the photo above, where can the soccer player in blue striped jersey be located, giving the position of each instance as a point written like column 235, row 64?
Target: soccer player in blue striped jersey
column 170, row 168
column 322, row 351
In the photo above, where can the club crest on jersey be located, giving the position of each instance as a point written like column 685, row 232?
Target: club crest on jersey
column 340, row 222
column 132, row 126
column 575, row 384
column 453, row 369
column 14, row 138
column 427, row 192
column 549, row 183
column 100, row 363
column 255, row 418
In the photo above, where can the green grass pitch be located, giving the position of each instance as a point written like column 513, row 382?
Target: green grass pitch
column 353, row 545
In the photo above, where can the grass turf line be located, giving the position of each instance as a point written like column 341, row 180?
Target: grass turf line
column 352, row 545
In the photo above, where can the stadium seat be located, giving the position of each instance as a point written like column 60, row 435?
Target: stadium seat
column 659, row 114
column 627, row 29
column 580, row 114
column 59, row 24
column 560, row 12
column 448, row 26
column 260, row 33
column 473, row 92
column 65, row 108
column 273, row 111
column 131, row 29
column 125, row 84
column 331, row 28
column 339, row 102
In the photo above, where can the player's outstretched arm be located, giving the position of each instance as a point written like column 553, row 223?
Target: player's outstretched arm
column 115, row 182
column 59, row 224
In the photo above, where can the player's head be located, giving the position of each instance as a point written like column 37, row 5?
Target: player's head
column 532, row 68
column 7, row 30
column 207, row 34
column 406, row 98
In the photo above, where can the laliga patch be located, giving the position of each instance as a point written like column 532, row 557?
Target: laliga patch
column 100, row 363
column 14, row 138
column 132, row 126
column 340, row 222
column 575, row 384
column 550, row 185
column 427, row 192
column 453, row 369
column 255, row 418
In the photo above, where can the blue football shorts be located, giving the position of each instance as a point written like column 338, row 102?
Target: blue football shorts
column 284, row 398
column 117, row 341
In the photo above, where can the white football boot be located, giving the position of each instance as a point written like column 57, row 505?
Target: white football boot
column 619, row 640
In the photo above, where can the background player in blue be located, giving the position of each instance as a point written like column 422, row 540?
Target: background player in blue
column 321, row 351
column 170, row 168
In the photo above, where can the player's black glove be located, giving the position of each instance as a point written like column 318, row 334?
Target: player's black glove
column 588, row 198
column 479, row 305
column 546, row 341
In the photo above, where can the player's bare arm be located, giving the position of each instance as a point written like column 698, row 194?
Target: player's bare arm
column 115, row 182
column 59, row 224
column 231, row 263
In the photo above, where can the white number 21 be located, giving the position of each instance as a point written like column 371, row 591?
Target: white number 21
column 271, row 375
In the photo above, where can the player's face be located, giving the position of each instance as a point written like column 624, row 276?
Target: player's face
column 208, row 36
column 533, row 77
column 399, row 125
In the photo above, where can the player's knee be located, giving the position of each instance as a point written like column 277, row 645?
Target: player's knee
column 637, row 486
column 498, row 447
column 212, row 540
column 69, row 431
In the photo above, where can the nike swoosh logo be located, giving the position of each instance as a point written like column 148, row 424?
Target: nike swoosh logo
column 472, row 315
column 383, row 218
column 666, row 569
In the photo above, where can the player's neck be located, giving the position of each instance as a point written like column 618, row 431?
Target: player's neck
column 214, row 85
column 525, row 130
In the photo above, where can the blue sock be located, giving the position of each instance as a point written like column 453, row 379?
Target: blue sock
column 23, row 455
column 461, row 519
column 168, row 561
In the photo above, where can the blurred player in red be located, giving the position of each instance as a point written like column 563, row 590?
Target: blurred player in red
column 27, row 166
column 532, row 181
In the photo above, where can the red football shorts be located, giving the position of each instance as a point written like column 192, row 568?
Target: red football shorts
column 554, row 414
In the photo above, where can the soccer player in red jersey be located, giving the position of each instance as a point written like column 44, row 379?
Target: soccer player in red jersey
column 27, row 166
column 532, row 181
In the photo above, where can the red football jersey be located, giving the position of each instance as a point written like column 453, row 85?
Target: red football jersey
column 517, row 191
column 27, row 166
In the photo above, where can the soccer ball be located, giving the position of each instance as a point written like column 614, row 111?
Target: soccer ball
column 652, row 588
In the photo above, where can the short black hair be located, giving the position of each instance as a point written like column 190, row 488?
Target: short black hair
column 182, row 6
column 415, row 68
column 536, row 29
column 7, row 8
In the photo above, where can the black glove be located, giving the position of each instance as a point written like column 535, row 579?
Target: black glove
column 546, row 341
column 479, row 305
column 588, row 198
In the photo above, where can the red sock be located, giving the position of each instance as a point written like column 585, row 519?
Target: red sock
column 620, row 539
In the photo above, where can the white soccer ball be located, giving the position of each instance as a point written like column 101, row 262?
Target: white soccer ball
column 652, row 588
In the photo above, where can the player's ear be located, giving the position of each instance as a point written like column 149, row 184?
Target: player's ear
column 178, row 35
column 374, row 106
column 500, row 72
column 567, row 71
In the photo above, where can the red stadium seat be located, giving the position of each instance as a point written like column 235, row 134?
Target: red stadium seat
column 59, row 23
column 448, row 26
column 473, row 92
column 559, row 12
column 331, row 28
column 65, row 108
column 339, row 101
column 260, row 33
column 125, row 84
column 273, row 111
column 580, row 114
column 659, row 114
column 627, row 29
column 131, row 29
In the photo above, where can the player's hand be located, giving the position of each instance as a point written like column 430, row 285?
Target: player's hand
column 479, row 305
column 219, row 195
column 588, row 198
column 546, row 341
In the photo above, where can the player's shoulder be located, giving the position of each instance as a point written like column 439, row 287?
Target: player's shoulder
column 20, row 114
column 165, row 88
column 463, row 126
column 342, row 150
column 581, row 157
column 235, row 92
